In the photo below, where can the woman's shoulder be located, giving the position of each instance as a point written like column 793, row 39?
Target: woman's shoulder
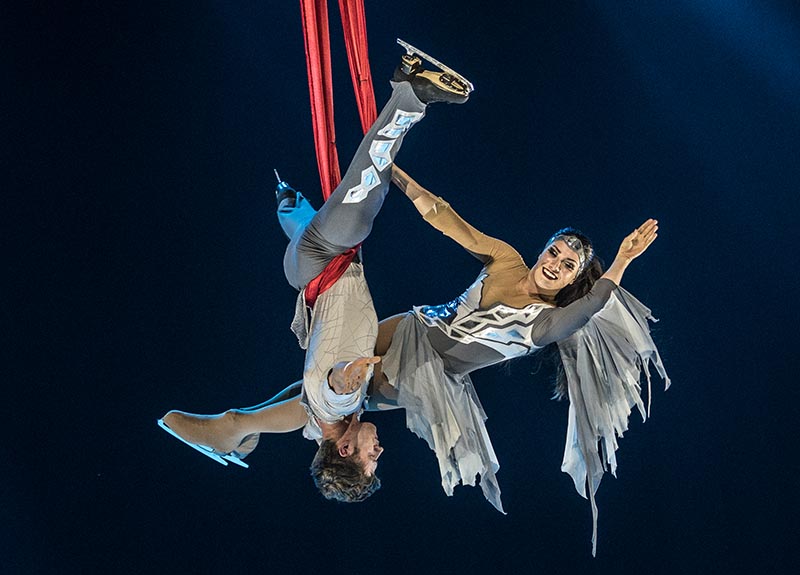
column 507, row 257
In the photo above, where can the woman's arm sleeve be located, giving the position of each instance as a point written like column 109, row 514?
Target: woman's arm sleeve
column 557, row 323
column 442, row 217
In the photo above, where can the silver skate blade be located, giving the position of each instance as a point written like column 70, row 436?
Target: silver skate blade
column 201, row 448
column 236, row 460
column 414, row 50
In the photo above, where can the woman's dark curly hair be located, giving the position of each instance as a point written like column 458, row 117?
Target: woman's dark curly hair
column 576, row 290
column 590, row 274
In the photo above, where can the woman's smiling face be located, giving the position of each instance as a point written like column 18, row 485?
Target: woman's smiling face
column 556, row 268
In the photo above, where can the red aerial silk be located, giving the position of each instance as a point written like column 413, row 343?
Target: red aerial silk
column 320, row 86
column 355, row 41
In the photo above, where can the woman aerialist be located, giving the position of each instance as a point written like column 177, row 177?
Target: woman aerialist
column 340, row 331
column 511, row 310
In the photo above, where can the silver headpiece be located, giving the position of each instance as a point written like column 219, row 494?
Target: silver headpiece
column 585, row 251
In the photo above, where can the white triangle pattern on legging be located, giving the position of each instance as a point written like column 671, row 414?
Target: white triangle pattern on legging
column 380, row 154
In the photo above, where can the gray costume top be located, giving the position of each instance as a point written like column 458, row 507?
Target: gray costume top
column 469, row 338
column 490, row 322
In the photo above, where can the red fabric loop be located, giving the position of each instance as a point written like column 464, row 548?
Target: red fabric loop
column 320, row 87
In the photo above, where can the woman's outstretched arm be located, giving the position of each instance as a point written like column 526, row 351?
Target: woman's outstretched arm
column 558, row 323
column 631, row 248
column 423, row 199
column 438, row 213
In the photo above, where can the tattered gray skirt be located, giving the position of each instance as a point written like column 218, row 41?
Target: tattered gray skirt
column 443, row 409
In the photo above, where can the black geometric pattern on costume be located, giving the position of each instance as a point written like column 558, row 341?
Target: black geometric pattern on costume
column 504, row 329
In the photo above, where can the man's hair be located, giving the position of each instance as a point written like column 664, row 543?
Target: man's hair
column 341, row 478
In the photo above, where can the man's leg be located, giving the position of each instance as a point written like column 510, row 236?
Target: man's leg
column 345, row 220
column 294, row 214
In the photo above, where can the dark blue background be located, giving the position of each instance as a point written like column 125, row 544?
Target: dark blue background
column 143, row 273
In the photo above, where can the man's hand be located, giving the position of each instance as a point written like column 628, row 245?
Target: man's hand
column 347, row 377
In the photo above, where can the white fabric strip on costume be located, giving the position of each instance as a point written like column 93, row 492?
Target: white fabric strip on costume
column 603, row 362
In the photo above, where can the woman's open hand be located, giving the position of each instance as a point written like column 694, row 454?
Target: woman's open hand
column 631, row 248
column 637, row 242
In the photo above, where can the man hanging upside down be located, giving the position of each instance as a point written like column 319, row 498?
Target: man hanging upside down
column 338, row 326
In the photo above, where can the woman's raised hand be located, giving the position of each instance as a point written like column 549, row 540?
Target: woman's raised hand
column 638, row 241
column 631, row 248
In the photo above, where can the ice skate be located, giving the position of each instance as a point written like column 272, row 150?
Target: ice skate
column 431, row 86
column 285, row 194
column 222, row 458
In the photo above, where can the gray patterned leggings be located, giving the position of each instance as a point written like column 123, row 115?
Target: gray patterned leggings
column 345, row 219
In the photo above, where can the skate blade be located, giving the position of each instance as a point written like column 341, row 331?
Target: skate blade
column 236, row 460
column 414, row 50
column 201, row 448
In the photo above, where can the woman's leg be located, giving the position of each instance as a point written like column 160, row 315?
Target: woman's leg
column 386, row 329
column 237, row 430
column 289, row 392
column 382, row 395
